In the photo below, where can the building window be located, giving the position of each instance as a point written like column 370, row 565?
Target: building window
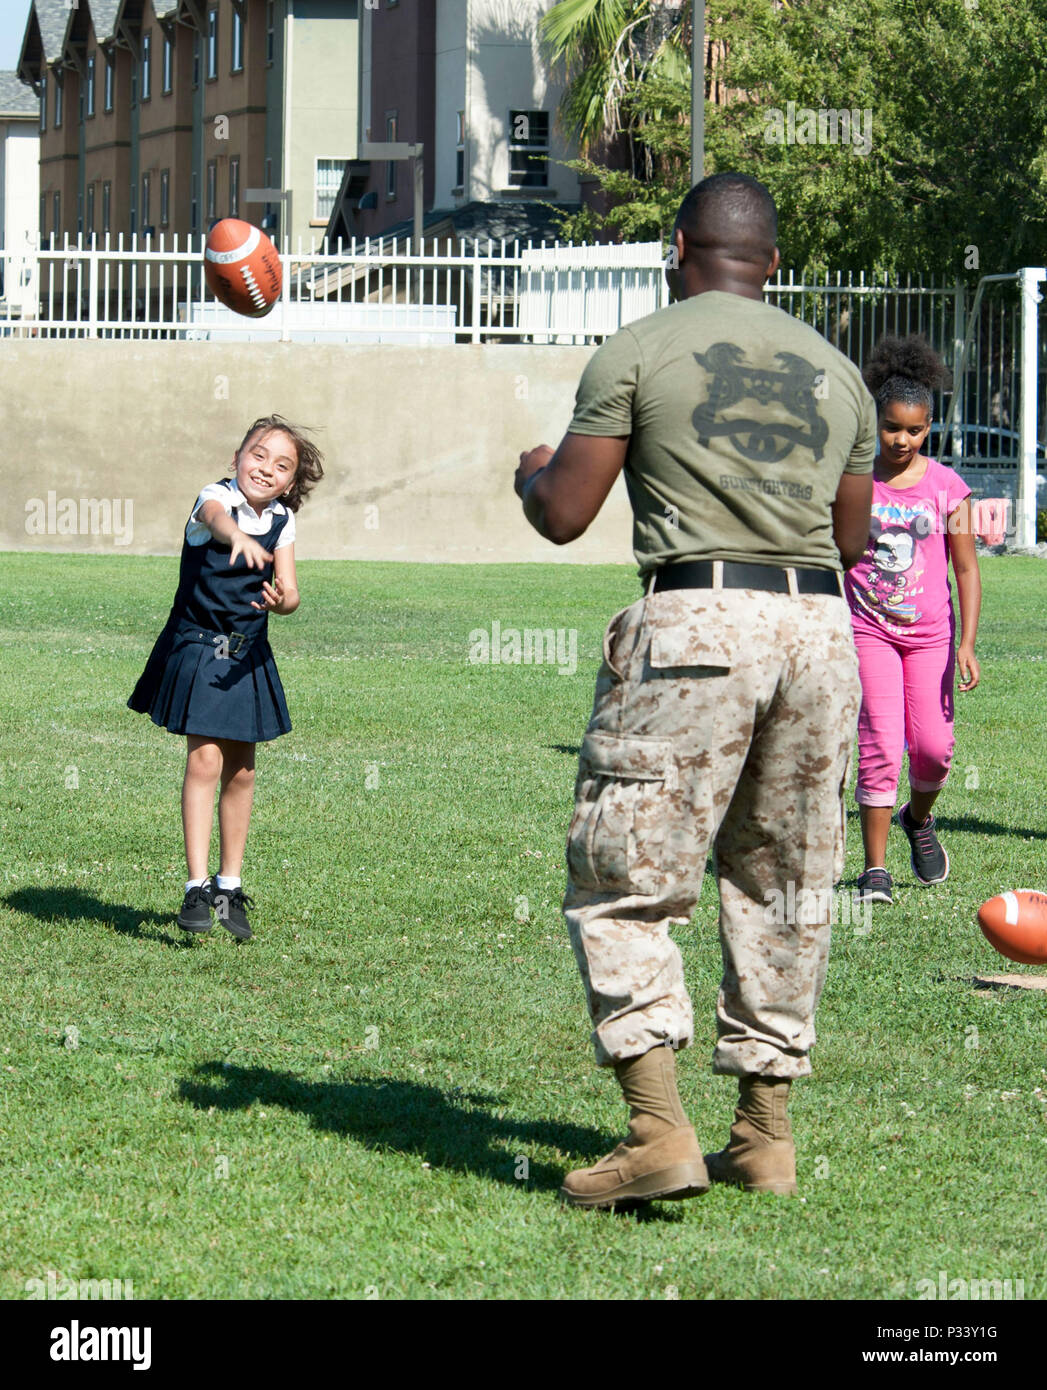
column 196, row 60
column 56, row 213
column 328, row 181
column 529, row 149
column 59, row 87
column 234, row 187
column 390, row 168
column 459, row 154
column 194, row 202
column 43, row 103
column 212, row 43
column 147, row 66
column 165, row 197
column 107, row 204
column 89, row 225
column 168, row 63
column 238, row 41
column 110, row 79
column 270, row 31
column 146, row 185
column 212, row 188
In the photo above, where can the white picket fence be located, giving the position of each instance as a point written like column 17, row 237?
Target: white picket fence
column 368, row 291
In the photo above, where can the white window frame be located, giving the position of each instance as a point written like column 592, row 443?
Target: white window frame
column 328, row 192
column 43, row 103
column 59, row 102
column 238, row 41
column 110, row 80
column 526, row 147
column 212, row 44
column 392, row 121
column 459, row 150
column 145, row 84
column 168, row 64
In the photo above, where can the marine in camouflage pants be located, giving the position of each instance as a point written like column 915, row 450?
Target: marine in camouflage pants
column 722, row 717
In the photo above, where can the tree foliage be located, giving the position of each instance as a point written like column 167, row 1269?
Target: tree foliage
column 955, row 177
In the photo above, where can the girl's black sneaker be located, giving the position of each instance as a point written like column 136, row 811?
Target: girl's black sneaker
column 930, row 863
column 229, row 904
column 196, row 908
column 874, row 886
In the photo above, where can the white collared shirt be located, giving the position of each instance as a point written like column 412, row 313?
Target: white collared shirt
column 248, row 520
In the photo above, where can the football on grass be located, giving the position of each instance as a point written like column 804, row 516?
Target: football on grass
column 242, row 267
column 1015, row 924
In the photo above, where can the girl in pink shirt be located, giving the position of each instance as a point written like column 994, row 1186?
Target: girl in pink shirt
column 901, row 610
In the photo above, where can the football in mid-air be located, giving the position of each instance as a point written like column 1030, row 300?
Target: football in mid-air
column 242, row 268
column 1015, row 924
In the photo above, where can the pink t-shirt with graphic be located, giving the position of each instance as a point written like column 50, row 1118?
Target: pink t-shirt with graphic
column 901, row 584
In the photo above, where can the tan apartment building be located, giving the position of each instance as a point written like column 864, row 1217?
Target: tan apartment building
column 158, row 116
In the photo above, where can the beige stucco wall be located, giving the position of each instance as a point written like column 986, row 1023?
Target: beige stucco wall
column 421, row 444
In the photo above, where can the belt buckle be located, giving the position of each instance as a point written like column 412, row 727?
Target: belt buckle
column 241, row 638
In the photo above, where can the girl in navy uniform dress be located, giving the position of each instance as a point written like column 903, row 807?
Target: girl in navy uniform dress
column 211, row 675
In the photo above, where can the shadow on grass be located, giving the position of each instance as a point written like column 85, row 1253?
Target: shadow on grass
column 457, row 1130
column 965, row 825
column 572, row 749
column 73, row 905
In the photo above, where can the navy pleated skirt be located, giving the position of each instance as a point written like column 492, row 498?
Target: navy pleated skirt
column 188, row 687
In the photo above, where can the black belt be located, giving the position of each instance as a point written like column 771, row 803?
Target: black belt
column 238, row 643
column 698, row 574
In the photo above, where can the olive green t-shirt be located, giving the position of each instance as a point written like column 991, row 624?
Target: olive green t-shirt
column 742, row 420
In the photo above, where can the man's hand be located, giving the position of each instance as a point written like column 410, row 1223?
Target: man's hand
column 531, row 462
column 563, row 491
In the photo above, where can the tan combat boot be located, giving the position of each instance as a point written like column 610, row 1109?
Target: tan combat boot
column 761, row 1155
column 661, row 1157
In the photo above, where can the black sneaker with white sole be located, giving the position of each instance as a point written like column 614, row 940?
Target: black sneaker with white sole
column 229, row 904
column 874, row 886
column 930, row 863
column 196, row 908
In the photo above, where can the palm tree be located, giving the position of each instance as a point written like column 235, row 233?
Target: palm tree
column 609, row 49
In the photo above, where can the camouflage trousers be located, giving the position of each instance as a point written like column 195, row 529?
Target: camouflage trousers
column 724, row 719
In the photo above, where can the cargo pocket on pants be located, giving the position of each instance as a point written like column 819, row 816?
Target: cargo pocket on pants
column 617, row 833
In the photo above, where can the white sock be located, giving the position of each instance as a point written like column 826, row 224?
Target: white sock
column 195, row 883
column 227, row 882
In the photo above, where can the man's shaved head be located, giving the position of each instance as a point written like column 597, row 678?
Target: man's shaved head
column 730, row 216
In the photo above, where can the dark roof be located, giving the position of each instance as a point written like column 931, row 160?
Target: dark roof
column 103, row 15
column 516, row 221
column 53, row 18
column 16, row 99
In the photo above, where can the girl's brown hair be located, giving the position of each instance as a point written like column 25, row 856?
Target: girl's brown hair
column 310, row 460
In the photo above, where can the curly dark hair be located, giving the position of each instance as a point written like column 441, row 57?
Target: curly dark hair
column 906, row 370
column 310, row 460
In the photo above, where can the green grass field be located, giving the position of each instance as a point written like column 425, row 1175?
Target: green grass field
column 379, row 1095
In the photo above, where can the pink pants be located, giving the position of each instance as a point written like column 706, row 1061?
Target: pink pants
column 907, row 702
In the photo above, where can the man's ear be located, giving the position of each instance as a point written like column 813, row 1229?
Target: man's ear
column 775, row 262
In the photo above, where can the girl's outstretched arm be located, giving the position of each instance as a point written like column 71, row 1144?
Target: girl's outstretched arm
column 968, row 589
column 282, row 595
column 224, row 528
